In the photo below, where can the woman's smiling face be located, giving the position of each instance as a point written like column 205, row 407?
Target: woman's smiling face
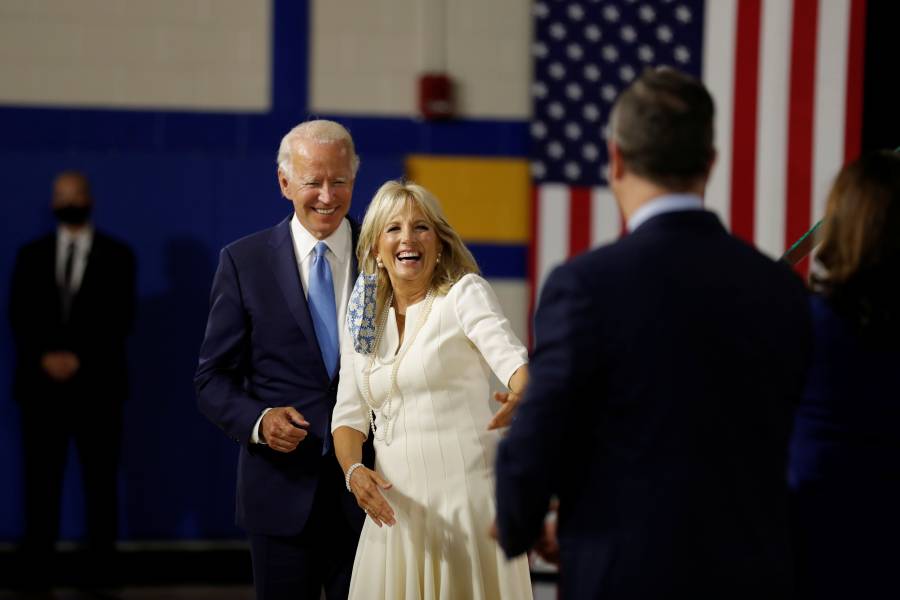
column 409, row 247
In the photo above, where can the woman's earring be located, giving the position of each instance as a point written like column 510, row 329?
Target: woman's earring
column 378, row 262
column 437, row 261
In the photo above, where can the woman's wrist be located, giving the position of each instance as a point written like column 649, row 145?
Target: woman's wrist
column 349, row 474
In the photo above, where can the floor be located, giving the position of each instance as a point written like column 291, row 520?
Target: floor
column 210, row 571
column 542, row 591
column 142, row 593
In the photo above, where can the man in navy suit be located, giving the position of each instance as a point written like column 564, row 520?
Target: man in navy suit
column 663, row 380
column 268, row 367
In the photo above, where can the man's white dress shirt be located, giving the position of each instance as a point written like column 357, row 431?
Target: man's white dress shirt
column 83, row 240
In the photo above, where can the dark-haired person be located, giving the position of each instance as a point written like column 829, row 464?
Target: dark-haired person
column 845, row 449
column 71, row 308
column 662, row 385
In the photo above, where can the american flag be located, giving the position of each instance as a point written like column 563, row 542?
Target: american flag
column 786, row 76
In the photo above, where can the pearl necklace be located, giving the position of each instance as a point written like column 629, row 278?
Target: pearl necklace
column 387, row 415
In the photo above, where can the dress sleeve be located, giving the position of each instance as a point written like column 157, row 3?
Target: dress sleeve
column 350, row 409
column 484, row 323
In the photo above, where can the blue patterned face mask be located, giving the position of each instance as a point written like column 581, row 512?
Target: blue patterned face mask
column 361, row 313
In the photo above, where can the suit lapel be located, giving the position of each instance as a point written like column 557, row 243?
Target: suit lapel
column 354, row 237
column 90, row 265
column 284, row 266
column 46, row 271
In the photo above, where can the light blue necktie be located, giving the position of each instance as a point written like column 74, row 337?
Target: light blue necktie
column 323, row 309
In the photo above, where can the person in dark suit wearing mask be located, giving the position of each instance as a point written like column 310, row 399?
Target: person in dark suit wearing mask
column 268, row 371
column 71, row 307
column 666, row 369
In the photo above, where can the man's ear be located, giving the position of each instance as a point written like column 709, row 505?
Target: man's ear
column 616, row 163
column 283, row 182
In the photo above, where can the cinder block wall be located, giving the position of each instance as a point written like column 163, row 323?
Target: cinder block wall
column 369, row 63
column 206, row 55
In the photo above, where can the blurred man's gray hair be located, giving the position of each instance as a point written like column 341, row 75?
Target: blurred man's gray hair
column 663, row 126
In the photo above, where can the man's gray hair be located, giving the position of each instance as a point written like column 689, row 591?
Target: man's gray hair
column 320, row 131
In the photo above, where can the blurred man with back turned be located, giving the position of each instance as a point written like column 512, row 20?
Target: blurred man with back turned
column 267, row 374
column 664, row 376
column 71, row 308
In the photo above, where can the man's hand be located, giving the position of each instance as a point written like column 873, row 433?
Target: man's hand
column 503, row 417
column 60, row 365
column 283, row 428
column 366, row 485
column 547, row 546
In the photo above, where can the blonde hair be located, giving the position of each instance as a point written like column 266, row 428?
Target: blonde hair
column 456, row 260
column 320, row 131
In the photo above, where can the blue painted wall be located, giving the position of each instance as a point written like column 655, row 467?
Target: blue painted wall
column 177, row 187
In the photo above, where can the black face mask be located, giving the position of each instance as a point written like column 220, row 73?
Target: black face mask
column 71, row 214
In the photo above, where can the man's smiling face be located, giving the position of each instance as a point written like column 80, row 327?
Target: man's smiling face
column 321, row 185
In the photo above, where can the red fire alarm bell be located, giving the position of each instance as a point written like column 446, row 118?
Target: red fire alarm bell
column 435, row 96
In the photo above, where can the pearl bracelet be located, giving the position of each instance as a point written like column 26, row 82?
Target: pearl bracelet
column 349, row 474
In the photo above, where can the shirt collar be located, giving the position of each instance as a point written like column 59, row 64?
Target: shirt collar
column 338, row 242
column 664, row 204
column 82, row 238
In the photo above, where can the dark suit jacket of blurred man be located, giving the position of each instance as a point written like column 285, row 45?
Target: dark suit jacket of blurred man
column 87, row 406
column 658, row 409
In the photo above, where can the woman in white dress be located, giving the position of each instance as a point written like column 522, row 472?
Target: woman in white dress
column 424, row 373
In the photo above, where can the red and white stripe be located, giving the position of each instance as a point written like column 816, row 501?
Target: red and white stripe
column 786, row 76
column 787, row 79
column 567, row 220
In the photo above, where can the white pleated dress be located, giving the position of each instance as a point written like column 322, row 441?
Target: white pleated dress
column 440, row 459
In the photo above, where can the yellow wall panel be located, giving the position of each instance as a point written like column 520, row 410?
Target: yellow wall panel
column 486, row 199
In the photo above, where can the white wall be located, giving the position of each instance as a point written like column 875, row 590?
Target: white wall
column 174, row 54
column 367, row 56
column 513, row 296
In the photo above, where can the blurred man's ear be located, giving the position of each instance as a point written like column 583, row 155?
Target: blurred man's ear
column 616, row 164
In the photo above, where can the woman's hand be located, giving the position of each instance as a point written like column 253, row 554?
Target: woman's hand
column 503, row 417
column 510, row 400
column 366, row 485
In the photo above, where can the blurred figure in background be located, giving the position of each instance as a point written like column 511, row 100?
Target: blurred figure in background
column 71, row 307
column 845, row 450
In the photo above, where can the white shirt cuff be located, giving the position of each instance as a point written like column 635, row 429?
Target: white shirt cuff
column 254, row 435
